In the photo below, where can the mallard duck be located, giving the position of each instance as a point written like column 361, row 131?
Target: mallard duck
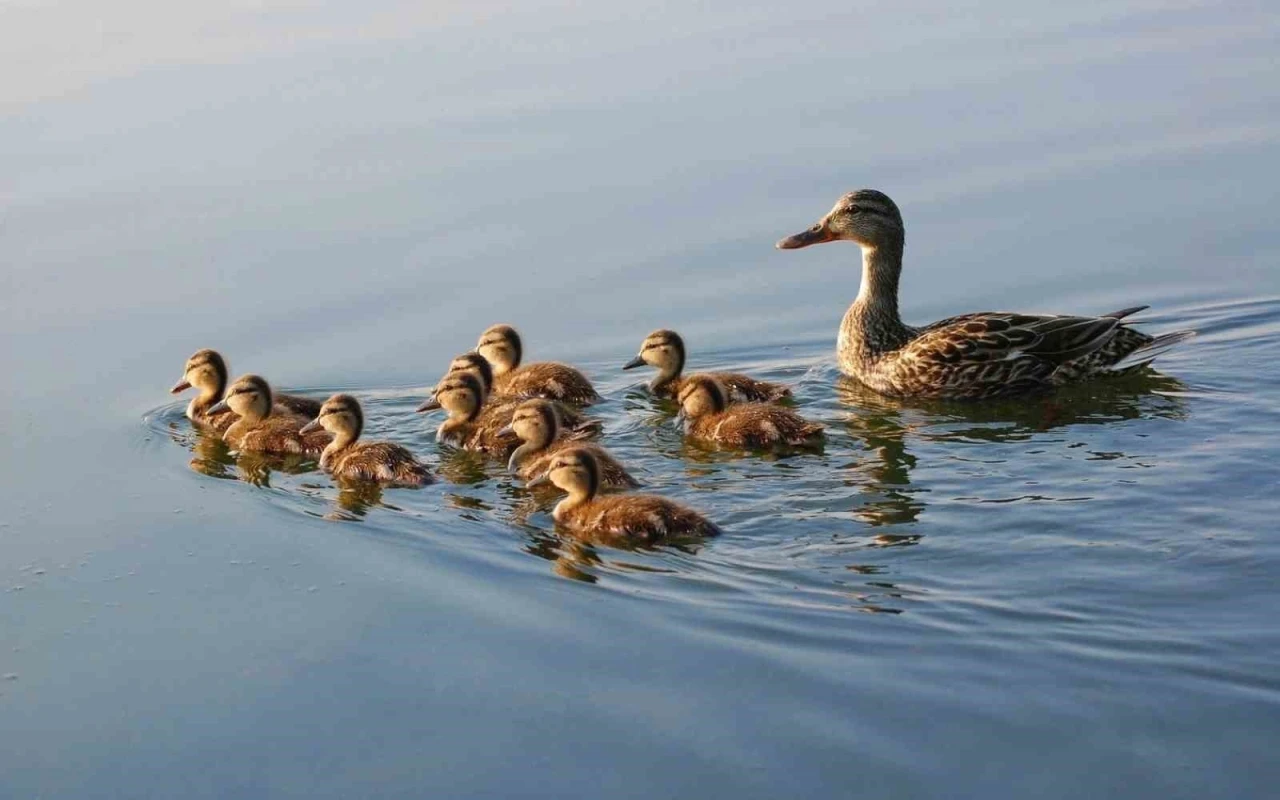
column 345, row 457
column 709, row 418
column 258, row 428
column 537, row 425
column 633, row 519
column 571, row 419
column 206, row 370
column 969, row 357
column 665, row 350
column 501, row 346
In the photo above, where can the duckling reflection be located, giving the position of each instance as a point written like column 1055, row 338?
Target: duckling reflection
column 206, row 371
column 502, row 347
column 209, row 454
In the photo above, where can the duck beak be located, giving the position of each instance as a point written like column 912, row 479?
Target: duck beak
column 815, row 235
column 180, row 387
column 220, row 407
column 506, row 430
column 431, row 404
column 633, row 363
column 541, row 480
column 313, row 425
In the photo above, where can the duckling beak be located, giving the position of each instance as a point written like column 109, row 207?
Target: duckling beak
column 633, row 363
column 431, row 404
column 541, row 480
column 220, row 407
column 815, row 235
column 506, row 430
column 180, row 387
column 313, row 425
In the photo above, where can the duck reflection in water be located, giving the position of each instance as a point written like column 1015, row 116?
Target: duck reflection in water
column 887, row 425
column 211, row 456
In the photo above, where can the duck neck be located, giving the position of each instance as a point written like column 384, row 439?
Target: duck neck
column 341, row 441
column 872, row 322
column 668, row 373
column 577, row 497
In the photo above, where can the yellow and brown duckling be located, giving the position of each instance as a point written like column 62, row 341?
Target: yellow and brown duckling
column 472, row 425
column 664, row 349
column 750, row 426
column 206, row 370
column 501, row 347
column 571, row 419
column 345, row 457
column 258, row 428
column 627, row 519
column 537, row 424
column 972, row 356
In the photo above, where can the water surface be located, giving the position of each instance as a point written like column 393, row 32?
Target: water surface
column 1072, row 594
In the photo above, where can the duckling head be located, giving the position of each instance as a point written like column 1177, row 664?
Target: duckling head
column 662, row 349
column 865, row 216
column 701, row 395
column 249, row 398
column 501, row 346
column 460, row 393
column 471, row 361
column 537, row 424
column 340, row 415
column 575, row 471
column 206, row 370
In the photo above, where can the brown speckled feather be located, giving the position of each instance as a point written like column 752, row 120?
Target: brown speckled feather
column 754, row 425
column 634, row 519
column 381, row 462
column 276, row 434
column 549, row 380
column 612, row 474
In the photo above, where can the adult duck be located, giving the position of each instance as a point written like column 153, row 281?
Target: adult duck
column 972, row 356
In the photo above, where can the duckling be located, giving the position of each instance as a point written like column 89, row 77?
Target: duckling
column 381, row 462
column 538, row 426
column 750, row 426
column 665, row 350
column 971, row 356
column 471, row 424
column 207, row 371
column 571, row 419
column 629, row 519
column 501, row 346
column 258, row 428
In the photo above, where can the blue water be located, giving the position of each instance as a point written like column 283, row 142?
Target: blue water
column 1065, row 596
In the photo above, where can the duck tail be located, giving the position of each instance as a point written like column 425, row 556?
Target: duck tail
column 1126, row 312
column 1151, row 350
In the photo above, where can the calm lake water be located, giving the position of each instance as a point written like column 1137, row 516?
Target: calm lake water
column 1069, row 596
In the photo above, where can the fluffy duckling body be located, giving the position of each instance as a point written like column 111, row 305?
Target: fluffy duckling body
column 537, row 425
column 665, row 350
column 502, row 348
column 749, row 426
column 972, row 356
column 571, row 419
column 258, row 428
column 380, row 462
column 206, row 370
column 628, row 519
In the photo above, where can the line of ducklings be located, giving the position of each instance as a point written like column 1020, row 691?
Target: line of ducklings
column 529, row 414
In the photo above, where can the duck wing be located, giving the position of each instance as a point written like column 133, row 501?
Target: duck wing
column 986, row 338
